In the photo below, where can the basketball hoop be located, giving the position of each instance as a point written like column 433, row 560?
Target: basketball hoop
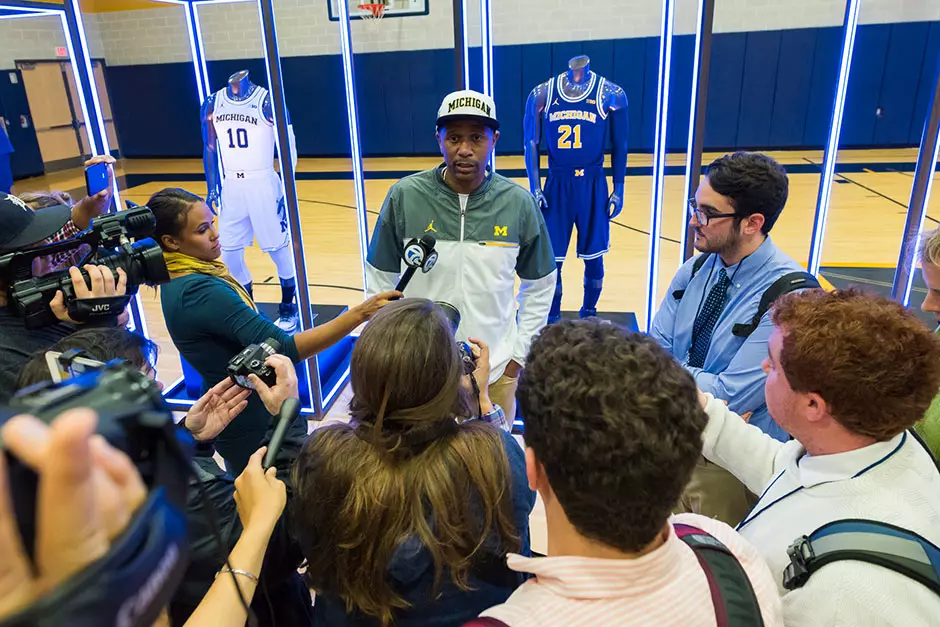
column 373, row 12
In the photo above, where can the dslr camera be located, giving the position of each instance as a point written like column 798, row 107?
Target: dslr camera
column 110, row 239
column 137, row 577
column 466, row 355
column 251, row 361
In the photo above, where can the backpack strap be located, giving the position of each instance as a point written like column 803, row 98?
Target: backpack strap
column 784, row 285
column 696, row 266
column 879, row 543
column 732, row 594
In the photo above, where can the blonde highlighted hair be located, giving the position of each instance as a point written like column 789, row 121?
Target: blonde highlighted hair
column 929, row 249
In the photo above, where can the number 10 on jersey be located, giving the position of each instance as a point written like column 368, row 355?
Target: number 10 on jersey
column 238, row 138
column 564, row 136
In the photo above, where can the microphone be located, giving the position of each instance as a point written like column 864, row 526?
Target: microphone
column 418, row 254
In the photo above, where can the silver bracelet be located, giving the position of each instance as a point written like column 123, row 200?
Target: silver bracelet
column 235, row 571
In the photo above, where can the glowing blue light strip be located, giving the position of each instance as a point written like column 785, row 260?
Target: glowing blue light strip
column 138, row 320
column 693, row 110
column 920, row 226
column 466, row 45
column 659, row 156
column 352, row 109
column 486, row 35
column 197, row 51
column 24, row 12
column 832, row 145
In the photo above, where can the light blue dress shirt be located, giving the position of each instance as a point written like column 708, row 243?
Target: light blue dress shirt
column 732, row 369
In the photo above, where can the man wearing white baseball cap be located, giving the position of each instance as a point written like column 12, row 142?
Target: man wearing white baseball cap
column 488, row 230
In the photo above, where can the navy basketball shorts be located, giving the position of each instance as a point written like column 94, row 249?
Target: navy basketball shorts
column 578, row 197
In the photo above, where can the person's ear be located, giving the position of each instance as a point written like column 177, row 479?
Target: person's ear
column 753, row 224
column 816, row 407
column 534, row 471
column 170, row 243
column 495, row 137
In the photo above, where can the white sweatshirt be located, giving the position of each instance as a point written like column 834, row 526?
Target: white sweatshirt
column 894, row 482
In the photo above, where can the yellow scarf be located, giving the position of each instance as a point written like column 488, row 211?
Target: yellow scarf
column 178, row 263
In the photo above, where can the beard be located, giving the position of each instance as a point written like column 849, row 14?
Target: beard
column 729, row 243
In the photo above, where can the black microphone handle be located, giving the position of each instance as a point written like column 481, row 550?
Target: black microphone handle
column 406, row 278
column 289, row 410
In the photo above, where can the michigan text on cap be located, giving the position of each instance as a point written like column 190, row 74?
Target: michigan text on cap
column 468, row 101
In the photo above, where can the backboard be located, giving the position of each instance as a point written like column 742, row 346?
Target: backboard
column 394, row 8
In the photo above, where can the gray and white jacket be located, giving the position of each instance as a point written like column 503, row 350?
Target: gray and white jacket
column 500, row 235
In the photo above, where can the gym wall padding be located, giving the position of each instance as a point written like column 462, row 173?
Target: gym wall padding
column 768, row 89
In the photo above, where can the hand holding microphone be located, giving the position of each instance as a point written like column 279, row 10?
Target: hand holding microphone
column 418, row 254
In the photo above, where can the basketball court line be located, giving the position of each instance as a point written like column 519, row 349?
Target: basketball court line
column 809, row 167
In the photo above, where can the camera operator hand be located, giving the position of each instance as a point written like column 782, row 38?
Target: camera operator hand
column 481, row 353
column 88, row 492
column 216, row 409
column 284, row 387
column 103, row 284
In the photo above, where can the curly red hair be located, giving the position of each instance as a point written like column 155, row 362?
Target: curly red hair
column 874, row 363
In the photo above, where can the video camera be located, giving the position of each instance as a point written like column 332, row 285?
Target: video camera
column 138, row 576
column 109, row 237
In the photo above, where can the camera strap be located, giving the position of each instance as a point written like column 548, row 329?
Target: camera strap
column 85, row 309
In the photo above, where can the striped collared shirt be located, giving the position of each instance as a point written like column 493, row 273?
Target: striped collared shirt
column 666, row 587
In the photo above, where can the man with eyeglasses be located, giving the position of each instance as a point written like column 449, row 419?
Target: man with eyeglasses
column 735, row 206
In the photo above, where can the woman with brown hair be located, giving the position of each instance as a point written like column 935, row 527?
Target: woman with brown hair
column 405, row 514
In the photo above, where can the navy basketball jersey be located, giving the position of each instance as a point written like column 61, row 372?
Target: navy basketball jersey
column 577, row 127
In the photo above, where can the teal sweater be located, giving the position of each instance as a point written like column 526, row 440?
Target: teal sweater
column 209, row 324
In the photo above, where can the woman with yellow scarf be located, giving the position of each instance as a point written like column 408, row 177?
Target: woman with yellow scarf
column 211, row 317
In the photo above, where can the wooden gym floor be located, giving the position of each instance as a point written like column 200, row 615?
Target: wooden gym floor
column 865, row 224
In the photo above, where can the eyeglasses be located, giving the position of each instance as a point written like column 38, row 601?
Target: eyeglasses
column 703, row 218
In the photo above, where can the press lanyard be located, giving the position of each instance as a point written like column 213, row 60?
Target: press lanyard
column 748, row 519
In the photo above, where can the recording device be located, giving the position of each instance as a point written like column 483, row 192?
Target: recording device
column 290, row 409
column 418, row 254
column 96, row 178
column 131, row 584
column 71, row 363
column 109, row 237
column 251, row 361
column 466, row 355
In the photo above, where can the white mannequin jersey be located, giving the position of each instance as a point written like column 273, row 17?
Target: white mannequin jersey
column 246, row 138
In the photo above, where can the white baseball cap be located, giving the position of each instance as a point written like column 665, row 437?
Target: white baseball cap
column 468, row 104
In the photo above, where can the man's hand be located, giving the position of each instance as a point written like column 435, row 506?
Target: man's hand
column 91, row 207
column 481, row 353
column 368, row 308
column 260, row 496
column 88, row 492
column 284, row 387
column 513, row 368
column 103, row 284
column 216, row 409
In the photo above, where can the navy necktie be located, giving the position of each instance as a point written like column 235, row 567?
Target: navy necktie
column 707, row 319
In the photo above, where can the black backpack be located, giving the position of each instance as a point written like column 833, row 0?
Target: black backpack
column 789, row 282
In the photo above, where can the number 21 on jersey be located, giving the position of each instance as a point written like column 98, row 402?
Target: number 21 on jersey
column 238, row 138
column 564, row 136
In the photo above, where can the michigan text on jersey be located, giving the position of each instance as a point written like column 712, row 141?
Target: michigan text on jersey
column 587, row 116
column 236, row 117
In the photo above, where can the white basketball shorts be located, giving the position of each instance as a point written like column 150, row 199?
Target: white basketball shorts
column 253, row 207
